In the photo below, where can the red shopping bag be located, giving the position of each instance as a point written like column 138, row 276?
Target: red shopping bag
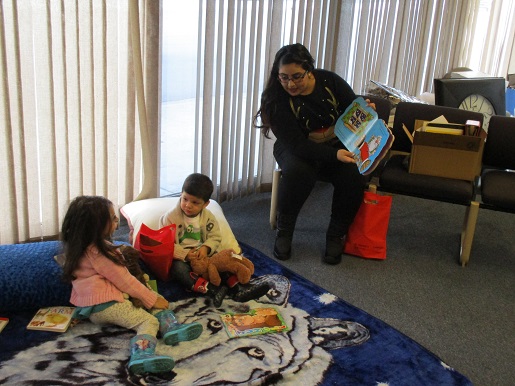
column 367, row 234
column 156, row 248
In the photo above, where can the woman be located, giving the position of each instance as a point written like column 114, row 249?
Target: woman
column 301, row 105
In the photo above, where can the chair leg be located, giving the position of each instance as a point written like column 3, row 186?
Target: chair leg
column 273, row 201
column 467, row 233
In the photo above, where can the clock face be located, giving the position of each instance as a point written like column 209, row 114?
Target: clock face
column 484, row 95
column 479, row 104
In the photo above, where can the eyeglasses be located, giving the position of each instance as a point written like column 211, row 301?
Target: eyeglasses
column 295, row 78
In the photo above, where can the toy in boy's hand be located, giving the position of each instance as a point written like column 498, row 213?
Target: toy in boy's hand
column 225, row 261
column 132, row 258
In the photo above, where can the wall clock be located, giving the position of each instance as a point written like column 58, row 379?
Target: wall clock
column 484, row 95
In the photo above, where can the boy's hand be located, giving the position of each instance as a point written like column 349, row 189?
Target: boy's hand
column 192, row 254
column 203, row 251
column 161, row 303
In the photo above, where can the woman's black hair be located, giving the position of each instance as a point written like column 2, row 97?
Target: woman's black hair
column 293, row 53
column 85, row 223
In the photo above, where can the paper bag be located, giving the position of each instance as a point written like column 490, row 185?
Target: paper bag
column 367, row 234
column 156, row 248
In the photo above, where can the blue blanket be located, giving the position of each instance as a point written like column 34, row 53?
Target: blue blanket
column 330, row 342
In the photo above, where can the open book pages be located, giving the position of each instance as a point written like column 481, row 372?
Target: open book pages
column 364, row 134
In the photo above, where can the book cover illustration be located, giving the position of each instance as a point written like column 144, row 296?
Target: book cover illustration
column 56, row 319
column 257, row 321
column 364, row 134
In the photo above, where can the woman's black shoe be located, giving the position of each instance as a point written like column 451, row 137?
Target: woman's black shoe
column 333, row 250
column 285, row 227
column 282, row 247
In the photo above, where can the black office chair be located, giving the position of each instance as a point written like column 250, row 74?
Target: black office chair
column 395, row 178
column 497, row 182
column 498, row 175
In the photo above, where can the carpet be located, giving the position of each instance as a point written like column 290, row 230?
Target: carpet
column 330, row 342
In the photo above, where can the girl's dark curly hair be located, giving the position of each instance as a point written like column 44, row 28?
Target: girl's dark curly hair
column 86, row 222
column 293, row 53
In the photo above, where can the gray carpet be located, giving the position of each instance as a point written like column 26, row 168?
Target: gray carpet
column 466, row 316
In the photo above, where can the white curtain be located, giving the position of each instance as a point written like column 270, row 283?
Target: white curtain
column 68, row 112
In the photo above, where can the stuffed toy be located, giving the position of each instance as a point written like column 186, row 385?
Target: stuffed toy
column 225, row 261
column 132, row 259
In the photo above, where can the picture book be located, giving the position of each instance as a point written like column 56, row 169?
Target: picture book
column 452, row 129
column 3, row 323
column 56, row 319
column 440, row 125
column 257, row 321
column 363, row 133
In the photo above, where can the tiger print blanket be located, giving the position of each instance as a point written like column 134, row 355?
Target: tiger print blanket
column 330, row 342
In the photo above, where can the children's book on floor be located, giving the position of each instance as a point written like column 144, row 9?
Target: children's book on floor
column 363, row 133
column 3, row 322
column 56, row 319
column 257, row 321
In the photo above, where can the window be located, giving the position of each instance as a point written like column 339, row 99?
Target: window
column 209, row 53
column 179, row 83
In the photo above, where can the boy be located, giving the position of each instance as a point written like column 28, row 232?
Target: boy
column 198, row 234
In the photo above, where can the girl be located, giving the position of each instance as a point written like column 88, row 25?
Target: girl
column 100, row 279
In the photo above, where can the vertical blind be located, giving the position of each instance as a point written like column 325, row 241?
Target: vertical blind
column 68, row 112
column 239, row 40
column 405, row 44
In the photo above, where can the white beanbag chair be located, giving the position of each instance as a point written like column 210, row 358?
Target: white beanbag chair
column 149, row 212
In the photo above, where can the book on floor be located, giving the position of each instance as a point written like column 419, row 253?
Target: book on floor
column 3, row 322
column 257, row 321
column 363, row 133
column 56, row 319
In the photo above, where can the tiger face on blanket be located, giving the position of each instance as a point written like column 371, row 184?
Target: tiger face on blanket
column 91, row 354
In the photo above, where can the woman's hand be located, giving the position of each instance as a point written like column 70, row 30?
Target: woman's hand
column 371, row 104
column 345, row 156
